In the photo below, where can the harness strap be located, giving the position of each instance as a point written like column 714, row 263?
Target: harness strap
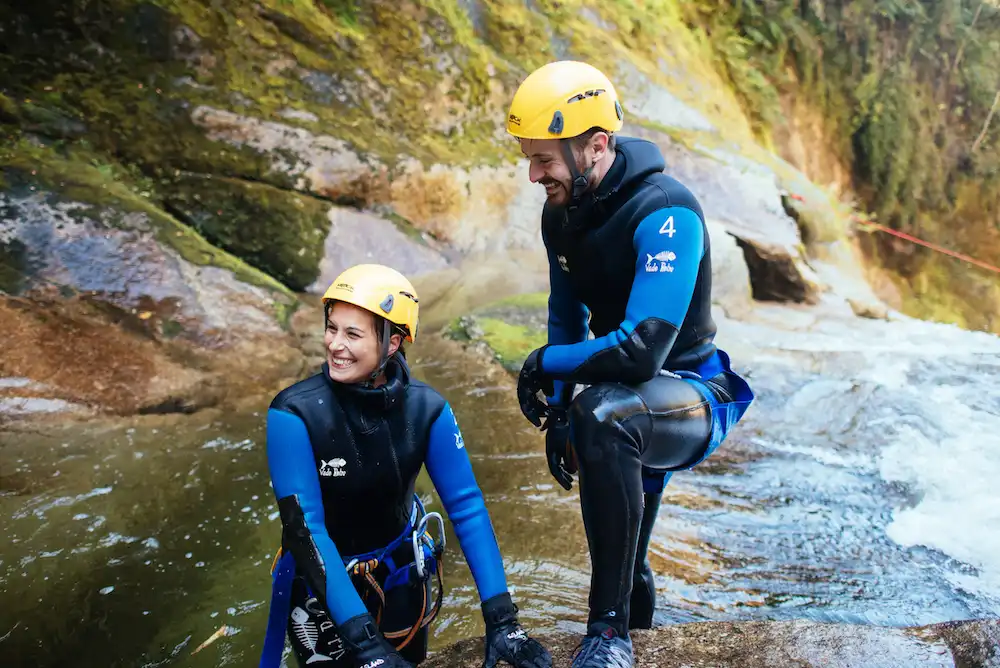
column 282, row 573
column 426, row 616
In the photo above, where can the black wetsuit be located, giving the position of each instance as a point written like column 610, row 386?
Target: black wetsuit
column 635, row 258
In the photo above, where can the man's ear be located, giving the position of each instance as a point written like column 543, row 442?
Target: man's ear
column 599, row 144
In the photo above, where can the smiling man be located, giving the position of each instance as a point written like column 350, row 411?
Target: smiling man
column 630, row 260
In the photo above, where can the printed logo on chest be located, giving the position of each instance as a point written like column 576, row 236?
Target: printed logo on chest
column 333, row 468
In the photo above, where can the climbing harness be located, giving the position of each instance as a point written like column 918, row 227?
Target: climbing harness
column 410, row 559
column 402, row 572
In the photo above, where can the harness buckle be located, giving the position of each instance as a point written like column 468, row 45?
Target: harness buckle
column 420, row 535
column 362, row 567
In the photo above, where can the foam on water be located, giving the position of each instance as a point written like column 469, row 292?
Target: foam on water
column 953, row 468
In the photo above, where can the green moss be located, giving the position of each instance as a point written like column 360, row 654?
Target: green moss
column 510, row 343
column 511, row 327
column 527, row 301
column 14, row 259
column 820, row 218
column 9, row 111
column 284, row 312
column 694, row 141
column 516, row 33
column 282, row 233
column 406, row 227
column 75, row 174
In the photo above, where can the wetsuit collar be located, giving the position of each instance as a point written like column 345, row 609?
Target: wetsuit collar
column 584, row 214
column 387, row 395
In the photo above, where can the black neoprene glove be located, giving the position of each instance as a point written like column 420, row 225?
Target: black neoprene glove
column 529, row 382
column 367, row 644
column 505, row 639
column 558, row 450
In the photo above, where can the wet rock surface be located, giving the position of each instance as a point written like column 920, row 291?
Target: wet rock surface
column 964, row 644
column 355, row 236
column 113, row 256
column 74, row 358
column 472, row 209
column 99, row 314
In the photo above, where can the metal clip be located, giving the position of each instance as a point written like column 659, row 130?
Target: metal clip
column 420, row 533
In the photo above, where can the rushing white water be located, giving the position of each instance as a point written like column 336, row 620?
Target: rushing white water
column 953, row 463
column 910, row 404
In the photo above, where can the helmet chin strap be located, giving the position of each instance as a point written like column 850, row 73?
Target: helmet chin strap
column 383, row 354
column 581, row 180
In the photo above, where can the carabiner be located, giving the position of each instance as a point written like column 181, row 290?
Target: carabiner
column 420, row 533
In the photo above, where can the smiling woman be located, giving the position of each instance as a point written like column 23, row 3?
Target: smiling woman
column 352, row 581
column 352, row 343
column 360, row 339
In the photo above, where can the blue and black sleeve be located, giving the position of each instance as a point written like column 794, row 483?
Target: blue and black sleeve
column 451, row 472
column 300, row 503
column 567, row 318
column 669, row 245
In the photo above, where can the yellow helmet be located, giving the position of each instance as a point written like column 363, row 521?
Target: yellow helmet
column 564, row 99
column 381, row 290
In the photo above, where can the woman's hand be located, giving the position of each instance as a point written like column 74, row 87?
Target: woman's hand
column 369, row 648
column 505, row 639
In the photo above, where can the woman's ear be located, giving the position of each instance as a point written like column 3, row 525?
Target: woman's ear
column 394, row 342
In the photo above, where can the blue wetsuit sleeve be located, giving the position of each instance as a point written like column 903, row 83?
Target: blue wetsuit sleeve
column 451, row 472
column 669, row 244
column 567, row 319
column 300, row 503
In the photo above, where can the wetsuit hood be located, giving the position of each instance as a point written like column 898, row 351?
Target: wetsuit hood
column 635, row 159
column 387, row 395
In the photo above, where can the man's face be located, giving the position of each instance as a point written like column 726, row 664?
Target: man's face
column 548, row 167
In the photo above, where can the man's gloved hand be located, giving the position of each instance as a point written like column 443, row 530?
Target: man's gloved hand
column 558, row 450
column 505, row 639
column 529, row 382
column 367, row 644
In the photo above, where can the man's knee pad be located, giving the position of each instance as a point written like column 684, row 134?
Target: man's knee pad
column 600, row 421
column 681, row 426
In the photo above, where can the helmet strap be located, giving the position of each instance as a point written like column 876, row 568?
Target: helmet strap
column 384, row 354
column 581, row 180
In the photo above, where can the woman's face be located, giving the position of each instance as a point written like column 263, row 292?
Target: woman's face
column 352, row 346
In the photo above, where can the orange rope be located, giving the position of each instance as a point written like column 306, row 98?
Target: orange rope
column 913, row 239
column 940, row 249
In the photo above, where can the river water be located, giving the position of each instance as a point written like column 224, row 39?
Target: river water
column 860, row 488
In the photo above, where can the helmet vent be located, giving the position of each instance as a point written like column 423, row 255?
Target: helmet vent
column 386, row 304
column 618, row 110
column 556, row 126
column 589, row 93
column 411, row 296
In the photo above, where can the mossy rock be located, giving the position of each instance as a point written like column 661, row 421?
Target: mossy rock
column 277, row 231
column 820, row 218
column 510, row 328
column 77, row 175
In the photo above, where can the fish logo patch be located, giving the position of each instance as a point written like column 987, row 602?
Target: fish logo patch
column 333, row 468
column 660, row 262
